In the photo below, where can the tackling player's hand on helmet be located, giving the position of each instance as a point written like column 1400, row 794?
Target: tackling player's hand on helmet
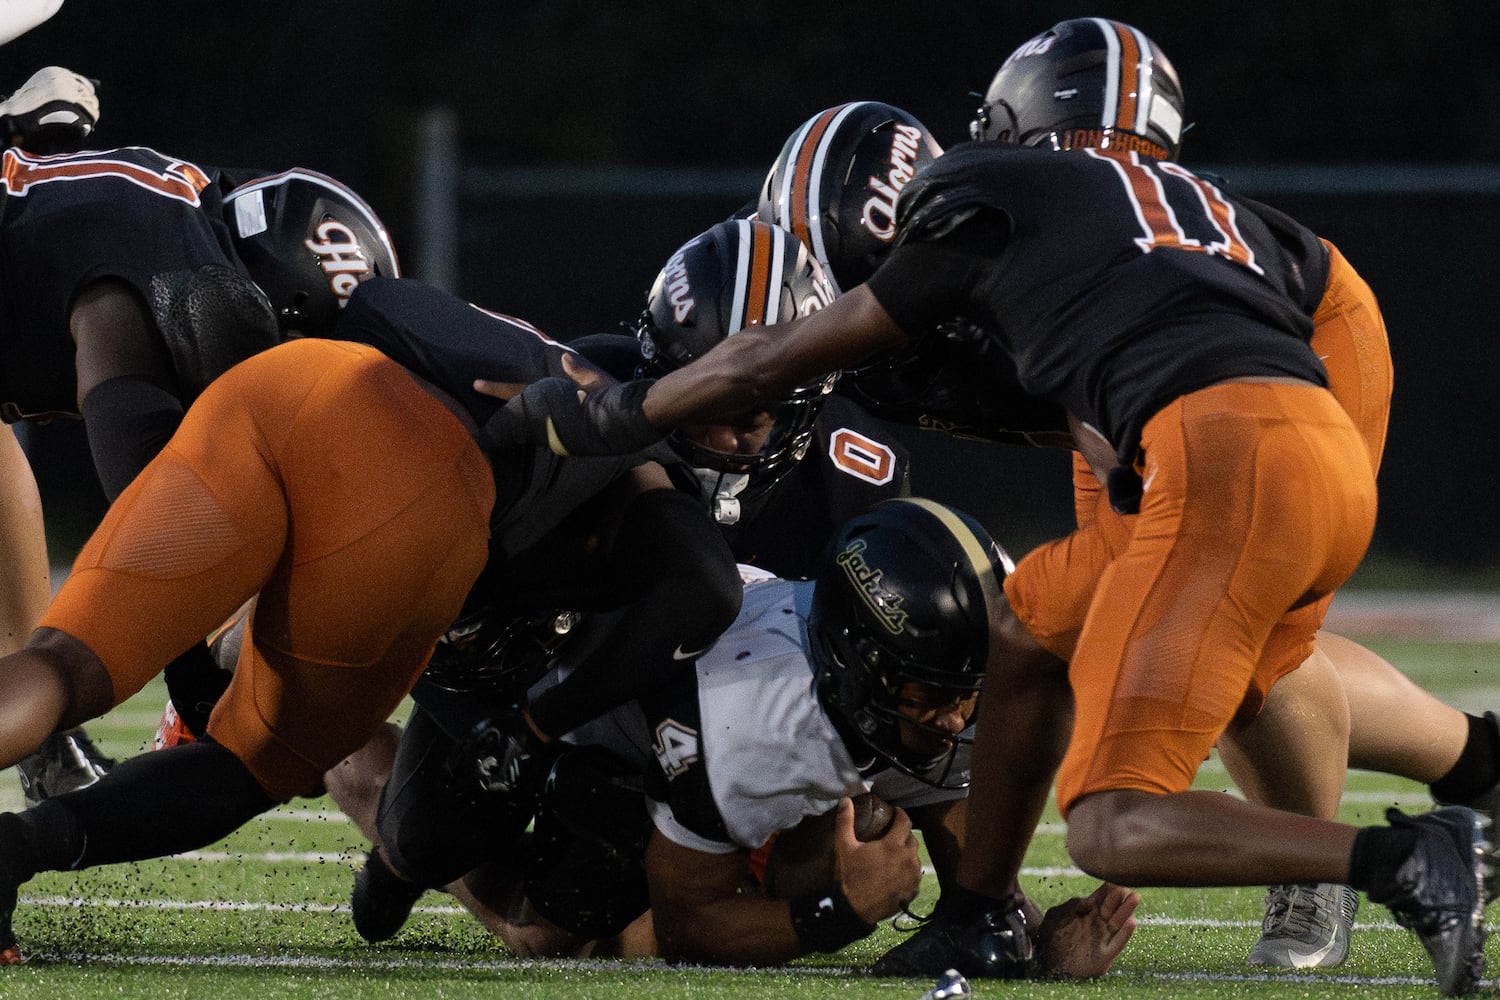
column 878, row 876
column 562, row 414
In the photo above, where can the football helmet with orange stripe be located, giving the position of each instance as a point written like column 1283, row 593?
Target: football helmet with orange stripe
column 737, row 274
column 307, row 241
column 836, row 181
column 1087, row 82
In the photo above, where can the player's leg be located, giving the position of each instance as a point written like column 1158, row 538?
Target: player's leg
column 1293, row 755
column 1176, row 631
column 1172, row 643
column 187, row 542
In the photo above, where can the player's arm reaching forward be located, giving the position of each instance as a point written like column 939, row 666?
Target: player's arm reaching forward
column 701, row 914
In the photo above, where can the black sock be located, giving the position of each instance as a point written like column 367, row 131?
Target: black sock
column 47, row 837
column 159, row 803
column 965, row 904
column 1478, row 767
column 1378, row 852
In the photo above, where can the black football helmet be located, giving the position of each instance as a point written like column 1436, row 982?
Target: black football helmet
column 902, row 597
column 738, row 274
column 495, row 655
column 1088, row 82
column 836, row 181
column 956, row 380
column 55, row 111
column 307, row 241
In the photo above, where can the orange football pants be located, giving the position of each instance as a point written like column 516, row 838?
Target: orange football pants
column 1053, row 586
column 1260, row 500
column 320, row 477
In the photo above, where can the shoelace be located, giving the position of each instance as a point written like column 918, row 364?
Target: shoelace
column 908, row 922
column 1293, row 911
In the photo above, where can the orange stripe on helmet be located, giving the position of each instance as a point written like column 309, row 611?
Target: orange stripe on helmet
column 800, row 210
column 757, row 286
column 1128, row 83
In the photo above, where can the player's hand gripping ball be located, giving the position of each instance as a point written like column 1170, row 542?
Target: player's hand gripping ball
column 802, row 858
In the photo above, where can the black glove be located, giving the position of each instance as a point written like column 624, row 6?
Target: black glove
column 558, row 413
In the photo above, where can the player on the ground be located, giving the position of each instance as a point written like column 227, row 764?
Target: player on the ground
column 874, row 690
column 1175, row 325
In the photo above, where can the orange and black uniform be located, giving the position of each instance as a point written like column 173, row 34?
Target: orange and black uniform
column 1052, row 595
column 1175, row 320
column 348, row 492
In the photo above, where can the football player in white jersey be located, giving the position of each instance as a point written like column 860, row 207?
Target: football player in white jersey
column 864, row 679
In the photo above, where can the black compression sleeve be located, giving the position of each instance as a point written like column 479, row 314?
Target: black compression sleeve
column 922, row 283
column 669, row 555
column 129, row 419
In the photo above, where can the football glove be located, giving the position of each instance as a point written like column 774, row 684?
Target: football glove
column 557, row 413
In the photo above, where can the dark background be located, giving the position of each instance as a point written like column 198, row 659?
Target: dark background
column 1369, row 88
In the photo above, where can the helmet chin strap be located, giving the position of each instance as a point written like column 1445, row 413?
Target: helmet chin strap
column 720, row 490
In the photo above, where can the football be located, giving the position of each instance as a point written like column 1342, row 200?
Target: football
column 802, row 858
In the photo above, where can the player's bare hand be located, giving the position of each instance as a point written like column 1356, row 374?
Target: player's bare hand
column 564, row 414
column 587, row 377
column 878, row 876
column 1082, row 937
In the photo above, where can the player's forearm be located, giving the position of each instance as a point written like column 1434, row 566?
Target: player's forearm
column 761, row 364
column 741, row 930
column 737, row 375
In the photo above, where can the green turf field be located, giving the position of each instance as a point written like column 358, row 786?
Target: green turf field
column 262, row 915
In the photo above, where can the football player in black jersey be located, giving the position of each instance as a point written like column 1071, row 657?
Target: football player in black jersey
column 1169, row 321
column 1273, row 755
column 774, row 502
column 385, row 550
column 54, row 111
column 891, row 703
column 822, row 186
column 781, row 480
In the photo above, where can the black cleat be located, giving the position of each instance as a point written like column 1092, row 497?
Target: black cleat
column 984, row 943
column 1438, row 893
column 382, row 900
column 65, row 762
